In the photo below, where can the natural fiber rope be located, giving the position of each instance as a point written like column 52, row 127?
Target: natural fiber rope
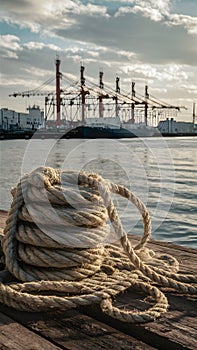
column 58, row 248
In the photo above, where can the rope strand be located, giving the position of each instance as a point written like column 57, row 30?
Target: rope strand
column 59, row 249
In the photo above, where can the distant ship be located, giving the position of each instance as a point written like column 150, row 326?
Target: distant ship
column 111, row 128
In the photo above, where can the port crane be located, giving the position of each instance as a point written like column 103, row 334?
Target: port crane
column 79, row 94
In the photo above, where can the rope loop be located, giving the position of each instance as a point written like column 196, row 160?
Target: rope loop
column 64, row 246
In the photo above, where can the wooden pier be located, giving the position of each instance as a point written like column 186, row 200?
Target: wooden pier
column 88, row 328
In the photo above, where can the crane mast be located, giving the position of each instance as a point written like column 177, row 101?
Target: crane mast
column 58, row 91
column 146, row 105
column 83, row 94
column 133, row 104
column 101, row 85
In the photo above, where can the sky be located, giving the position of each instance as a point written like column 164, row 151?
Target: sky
column 150, row 42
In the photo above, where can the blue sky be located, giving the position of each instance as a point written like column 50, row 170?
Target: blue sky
column 152, row 41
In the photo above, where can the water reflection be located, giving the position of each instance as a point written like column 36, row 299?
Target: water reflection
column 142, row 165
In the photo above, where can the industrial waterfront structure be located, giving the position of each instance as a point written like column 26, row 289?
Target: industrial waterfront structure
column 170, row 127
column 83, row 109
column 82, row 99
column 11, row 120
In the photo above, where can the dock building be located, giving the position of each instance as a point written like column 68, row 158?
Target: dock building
column 11, row 120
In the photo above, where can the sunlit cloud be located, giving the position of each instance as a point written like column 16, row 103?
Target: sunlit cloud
column 188, row 22
column 9, row 46
column 153, row 9
column 48, row 14
column 172, row 72
column 159, row 10
column 147, row 40
column 32, row 45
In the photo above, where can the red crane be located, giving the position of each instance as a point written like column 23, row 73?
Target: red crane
column 58, row 91
column 78, row 91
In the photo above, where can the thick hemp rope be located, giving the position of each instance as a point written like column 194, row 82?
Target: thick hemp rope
column 58, row 252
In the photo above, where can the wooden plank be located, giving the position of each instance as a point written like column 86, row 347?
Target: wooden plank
column 175, row 330
column 163, row 334
column 178, row 326
column 75, row 331
column 13, row 336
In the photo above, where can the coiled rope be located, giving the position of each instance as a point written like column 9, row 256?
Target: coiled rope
column 58, row 250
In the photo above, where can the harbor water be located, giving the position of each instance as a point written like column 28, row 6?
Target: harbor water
column 162, row 172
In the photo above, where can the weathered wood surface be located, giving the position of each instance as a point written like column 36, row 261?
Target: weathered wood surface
column 75, row 331
column 89, row 328
column 15, row 336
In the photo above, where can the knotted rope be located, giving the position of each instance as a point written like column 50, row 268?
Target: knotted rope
column 58, row 251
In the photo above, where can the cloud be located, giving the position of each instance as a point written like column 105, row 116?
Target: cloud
column 190, row 88
column 142, row 26
column 172, row 72
column 153, row 9
column 147, row 40
column 188, row 22
column 9, row 46
column 48, row 15
column 36, row 58
column 15, row 82
column 159, row 10
column 41, row 73
column 34, row 45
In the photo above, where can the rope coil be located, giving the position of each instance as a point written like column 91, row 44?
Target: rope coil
column 58, row 248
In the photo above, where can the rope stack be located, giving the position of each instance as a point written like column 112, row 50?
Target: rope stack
column 58, row 252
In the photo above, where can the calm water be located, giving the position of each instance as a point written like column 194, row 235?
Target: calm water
column 161, row 172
